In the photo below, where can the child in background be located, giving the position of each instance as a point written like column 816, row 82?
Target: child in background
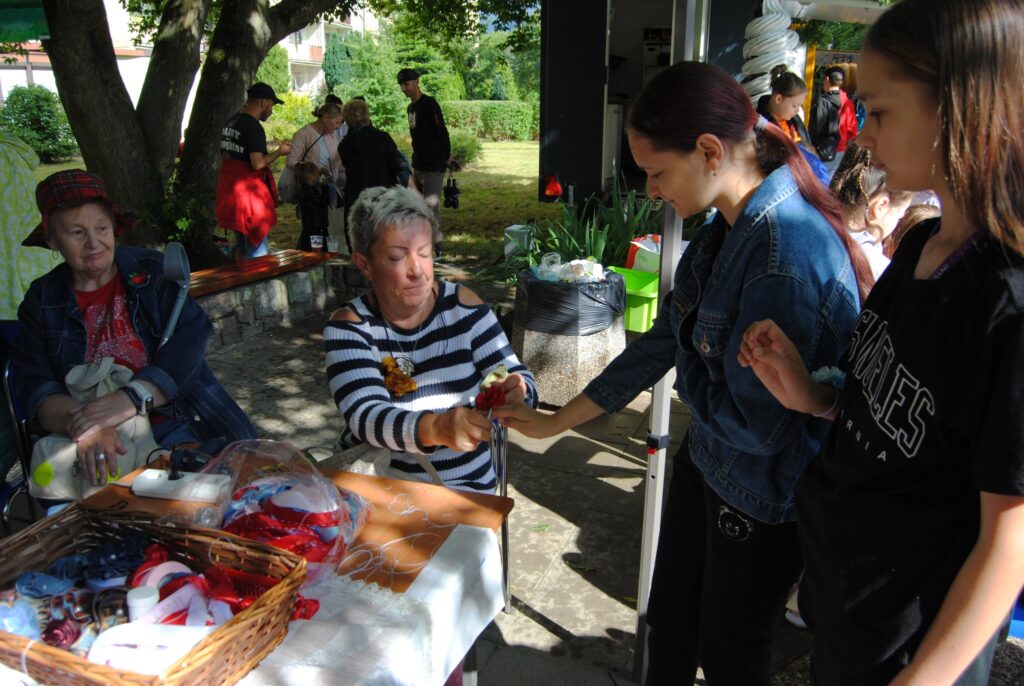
column 314, row 202
column 912, row 518
column 870, row 208
column 782, row 108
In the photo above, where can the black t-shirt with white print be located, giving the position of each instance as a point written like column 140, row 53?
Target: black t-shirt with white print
column 242, row 134
column 932, row 415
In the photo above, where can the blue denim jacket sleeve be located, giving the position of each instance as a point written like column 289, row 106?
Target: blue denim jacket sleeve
column 34, row 378
column 737, row 409
column 638, row 367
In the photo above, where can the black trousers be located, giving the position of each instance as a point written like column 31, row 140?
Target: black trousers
column 721, row 580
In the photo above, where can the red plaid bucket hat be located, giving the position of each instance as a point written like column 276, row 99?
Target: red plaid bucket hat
column 72, row 188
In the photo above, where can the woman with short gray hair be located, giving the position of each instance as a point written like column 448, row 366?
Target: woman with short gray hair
column 378, row 207
column 405, row 361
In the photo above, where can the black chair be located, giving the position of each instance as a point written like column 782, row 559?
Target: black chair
column 17, row 441
column 15, row 456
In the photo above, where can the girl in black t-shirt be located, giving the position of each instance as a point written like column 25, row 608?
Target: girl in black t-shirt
column 912, row 518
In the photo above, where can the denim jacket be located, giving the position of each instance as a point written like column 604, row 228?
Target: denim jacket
column 52, row 340
column 782, row 261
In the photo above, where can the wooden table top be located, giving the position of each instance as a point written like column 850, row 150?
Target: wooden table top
column 408, row 521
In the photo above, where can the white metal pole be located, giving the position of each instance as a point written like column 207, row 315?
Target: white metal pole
column 691, row 19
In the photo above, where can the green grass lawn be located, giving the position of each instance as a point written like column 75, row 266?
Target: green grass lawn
column 44, row 170
column 499, row 190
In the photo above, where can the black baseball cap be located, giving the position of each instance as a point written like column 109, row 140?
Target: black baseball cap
column 408, row 75
column 261, row 91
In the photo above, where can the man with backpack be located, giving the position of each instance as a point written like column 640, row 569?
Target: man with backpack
column 833, row 121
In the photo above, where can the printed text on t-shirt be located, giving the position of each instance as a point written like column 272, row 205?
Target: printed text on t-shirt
column 898, row 400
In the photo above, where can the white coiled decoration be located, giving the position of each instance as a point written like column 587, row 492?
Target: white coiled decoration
column 769, row 42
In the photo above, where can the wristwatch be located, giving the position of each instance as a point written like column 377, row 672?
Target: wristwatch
column 140, row 397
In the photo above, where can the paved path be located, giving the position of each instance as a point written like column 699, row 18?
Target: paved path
column 575, row 529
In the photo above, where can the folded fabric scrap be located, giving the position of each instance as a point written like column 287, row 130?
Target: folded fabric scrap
column 103, row 566
column 208, row 599
column 71, row 635
column 18, row 616
column 145, row 648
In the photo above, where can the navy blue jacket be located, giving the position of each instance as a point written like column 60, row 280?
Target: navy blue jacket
column 52, row 340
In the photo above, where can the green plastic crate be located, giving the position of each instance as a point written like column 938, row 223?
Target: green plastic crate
column 641, row 298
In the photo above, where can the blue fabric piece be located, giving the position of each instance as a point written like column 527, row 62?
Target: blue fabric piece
column 39, row 585
column 53, row 340
column 246, row 249
column 817, row 166
column 781, row 260
column 20, row 618
column 109, row 561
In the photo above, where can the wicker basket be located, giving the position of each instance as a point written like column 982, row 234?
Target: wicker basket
column 223, row 657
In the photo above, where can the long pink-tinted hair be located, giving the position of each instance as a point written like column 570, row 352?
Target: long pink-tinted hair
column 693, row 98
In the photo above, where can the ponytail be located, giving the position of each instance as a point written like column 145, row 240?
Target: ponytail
column 692, row 98
column 775, row 148
column 786, row 83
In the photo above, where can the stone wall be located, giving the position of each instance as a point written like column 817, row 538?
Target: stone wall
column 248, row 310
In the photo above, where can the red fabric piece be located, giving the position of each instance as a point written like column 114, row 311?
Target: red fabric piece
column 198, row 580
column 301, row 540
column 246, row 199
column 301, row 517
column 61, row 633
column 490, row 398
column 108, row 326
column 847, row 121
column 305, row 608
column 154, row 554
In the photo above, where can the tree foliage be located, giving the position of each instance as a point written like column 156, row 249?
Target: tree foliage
column 832, row 35
column 35, row 115
column 223, row 43
column 274, row 70
column 366, row 65
column 449, row 20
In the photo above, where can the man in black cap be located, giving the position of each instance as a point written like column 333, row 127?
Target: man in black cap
column 431, row 147
column 249, row 209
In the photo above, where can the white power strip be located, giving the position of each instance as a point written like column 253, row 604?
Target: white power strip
column 203, row 488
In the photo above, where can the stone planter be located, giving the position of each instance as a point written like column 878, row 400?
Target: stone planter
column 567, row 333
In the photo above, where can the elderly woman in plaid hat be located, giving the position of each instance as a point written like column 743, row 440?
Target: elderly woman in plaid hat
column 106, row 300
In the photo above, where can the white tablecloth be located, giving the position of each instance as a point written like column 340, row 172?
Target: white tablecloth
column 364, row 634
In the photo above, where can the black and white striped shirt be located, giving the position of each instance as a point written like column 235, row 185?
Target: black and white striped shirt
column 452, row 351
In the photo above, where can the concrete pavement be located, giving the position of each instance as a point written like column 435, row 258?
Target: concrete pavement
column 575, row 529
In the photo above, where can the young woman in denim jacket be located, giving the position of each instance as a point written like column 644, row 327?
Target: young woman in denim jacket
column 728, row 552
column 174, row 381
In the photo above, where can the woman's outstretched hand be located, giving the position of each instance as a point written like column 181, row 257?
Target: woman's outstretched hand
column 777, row 363
column 528, row 421
column 460, row 428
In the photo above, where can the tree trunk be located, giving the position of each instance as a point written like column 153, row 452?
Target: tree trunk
column 100, row 111
column 172, row 69
column 133, row 151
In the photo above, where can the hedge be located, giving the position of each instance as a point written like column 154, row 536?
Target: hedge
column 495, row 119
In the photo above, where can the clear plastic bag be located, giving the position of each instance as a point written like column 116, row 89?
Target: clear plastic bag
column 278, row 496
